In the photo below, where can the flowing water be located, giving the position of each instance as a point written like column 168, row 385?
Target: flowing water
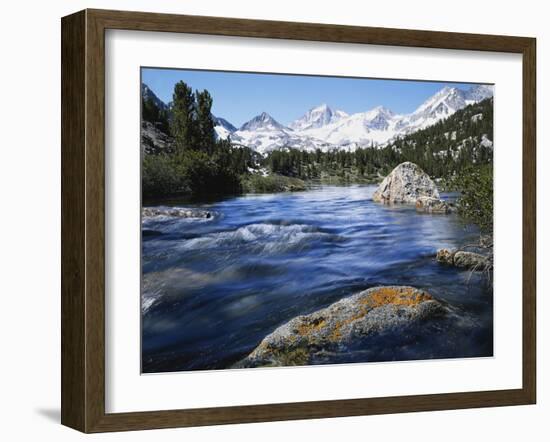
column 213, row 288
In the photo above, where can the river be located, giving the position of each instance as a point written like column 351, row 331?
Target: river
column 213, row 288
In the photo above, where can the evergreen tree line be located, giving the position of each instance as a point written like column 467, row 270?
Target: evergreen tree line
column 154, row 114
column 443, row 150
column 361, row 163
column 196, row 164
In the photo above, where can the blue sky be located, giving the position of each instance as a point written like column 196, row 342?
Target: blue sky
column 238, row 97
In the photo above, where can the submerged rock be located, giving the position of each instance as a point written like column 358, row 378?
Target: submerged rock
column 148, row 212
column 464, row 260
column 433, row 205
column 373, row 311
column 405, row 184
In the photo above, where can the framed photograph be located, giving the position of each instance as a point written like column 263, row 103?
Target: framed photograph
column 268, row 221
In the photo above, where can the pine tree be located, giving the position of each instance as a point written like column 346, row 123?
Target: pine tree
column 205, row 123
column 183, row 126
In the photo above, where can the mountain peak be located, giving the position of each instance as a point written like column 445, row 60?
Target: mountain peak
column 318, row 116
column 382, row 110
column 479, row 92
column 378, row 118
column 322, row 107
column 444, row 102
column 447, row 90
column 263, row 121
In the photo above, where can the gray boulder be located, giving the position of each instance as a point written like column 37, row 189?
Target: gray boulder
column 405, row 184
column 373, row 311
column 428, row 204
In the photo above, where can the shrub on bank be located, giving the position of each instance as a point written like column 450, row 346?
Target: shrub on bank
column 272, row 183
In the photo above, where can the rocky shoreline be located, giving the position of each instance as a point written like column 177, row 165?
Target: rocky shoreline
column 465, row 260
column 175, row 212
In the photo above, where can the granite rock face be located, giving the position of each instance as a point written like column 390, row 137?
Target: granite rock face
column 405, row 184
column 154, row 140
column 373, row 311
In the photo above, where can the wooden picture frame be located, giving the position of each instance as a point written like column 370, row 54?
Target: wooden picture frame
column 83, row 220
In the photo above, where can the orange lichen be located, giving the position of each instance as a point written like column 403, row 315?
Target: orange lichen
column 336, row 333
column 406, row 296
column 308, row 326
column 377, row 297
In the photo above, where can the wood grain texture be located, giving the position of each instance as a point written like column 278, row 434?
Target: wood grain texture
column 95, row 221
column 73, row 256
column 144, row 21
column 529, row 220
column 83, row 220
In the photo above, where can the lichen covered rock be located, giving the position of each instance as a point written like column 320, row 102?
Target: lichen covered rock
column 373, row 311
column 405, row 184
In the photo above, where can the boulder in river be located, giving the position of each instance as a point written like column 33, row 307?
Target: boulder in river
column 373, row 311
column 464, row 260
column 428, row 204
column 177, row 212
column 405, row 184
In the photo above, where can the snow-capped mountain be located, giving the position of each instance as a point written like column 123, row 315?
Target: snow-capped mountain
column 223, row 127
column 262, row 122
column 379, row 118
column 325, row 128
column 365, row 128
column 317, row 117
column 479, row 93
column 438, row 107
column 442, row 105
column 263, row 133
column 218, row 121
